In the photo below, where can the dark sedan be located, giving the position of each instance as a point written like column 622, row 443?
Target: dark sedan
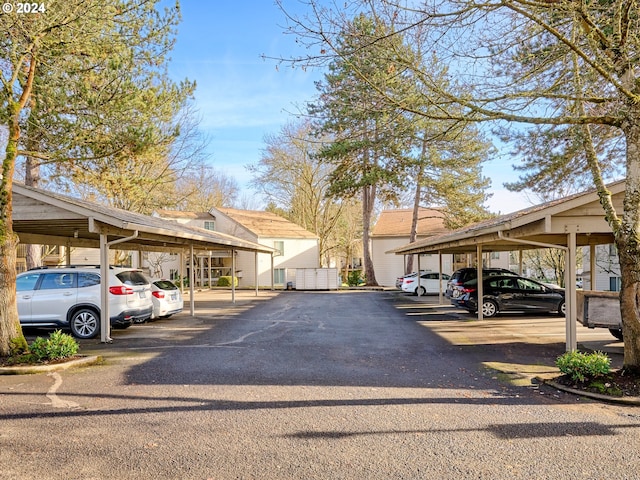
column 509, row 292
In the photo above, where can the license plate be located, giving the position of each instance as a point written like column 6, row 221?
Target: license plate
column 141, row 295
column 173, row 297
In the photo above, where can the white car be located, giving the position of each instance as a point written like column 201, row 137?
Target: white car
column 69, row 297
column 428, row 283
column 166, row 297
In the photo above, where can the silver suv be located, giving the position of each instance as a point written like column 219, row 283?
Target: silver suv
column 69, row 297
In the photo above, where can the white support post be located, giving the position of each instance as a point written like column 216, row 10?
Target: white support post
column 273, row 287
column 418, row 287
column 105, row 323
column 480, row 281
column 192, row 276
column 570, row 292
column 233, row 276
column 256, row 270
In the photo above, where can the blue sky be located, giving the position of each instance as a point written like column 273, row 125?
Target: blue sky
column 241, row 97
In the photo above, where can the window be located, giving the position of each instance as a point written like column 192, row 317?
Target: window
column 614, row 284
column 279, row 246
column 278, row 276
column 613, row 251
column 88, row 279
column 495, row 256
column 52, row 281
column 210, row 225
column 27, row 282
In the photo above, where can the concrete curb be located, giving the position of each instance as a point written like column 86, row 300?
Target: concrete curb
column 634, row 401
column 29, row 369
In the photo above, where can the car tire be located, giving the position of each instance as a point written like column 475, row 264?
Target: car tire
column 616, row 332
column 85, row 323
column 421, row 291
column 489, row 308
column 562, row 309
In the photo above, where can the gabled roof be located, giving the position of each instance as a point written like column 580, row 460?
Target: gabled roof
column 177, row 214
column 264, row 224
column 548, row 223
column 397, row 223
column 45, row 217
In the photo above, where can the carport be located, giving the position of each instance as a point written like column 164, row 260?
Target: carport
column 41, row 217
column 568, row 224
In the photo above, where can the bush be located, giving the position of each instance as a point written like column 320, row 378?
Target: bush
column 225, row 281
column 58, row 345
column 581, row 366
column 355, row 278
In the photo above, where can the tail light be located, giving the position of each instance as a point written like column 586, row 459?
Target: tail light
column 158, row 294
column 121, row 290
column 409, row 281
column 468, row 289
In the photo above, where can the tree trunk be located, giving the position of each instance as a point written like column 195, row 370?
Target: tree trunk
column 11, row 337
column 368, row 201
column 628, row 243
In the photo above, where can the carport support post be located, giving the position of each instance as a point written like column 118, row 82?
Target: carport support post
column 570, row 295
column 105, row 324
column 192, row 300
column 440, row 277
column 480, row 280
column 272, row 273
column 418, row 287
column 233, row 276
column 256, row 269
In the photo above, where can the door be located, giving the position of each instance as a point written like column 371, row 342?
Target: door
column 56, row 294
column 25, row 288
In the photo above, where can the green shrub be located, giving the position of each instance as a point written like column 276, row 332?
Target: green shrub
column 58, row 345
column 225, row 281
column 355, row 278
column 581, row 366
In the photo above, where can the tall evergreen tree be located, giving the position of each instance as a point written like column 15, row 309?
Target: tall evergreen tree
column 74, row 82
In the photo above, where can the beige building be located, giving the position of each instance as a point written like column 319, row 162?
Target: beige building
column 393, row 229
column 297, row 247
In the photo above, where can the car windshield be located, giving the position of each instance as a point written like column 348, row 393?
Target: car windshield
column 132, row 277
column 165, row 285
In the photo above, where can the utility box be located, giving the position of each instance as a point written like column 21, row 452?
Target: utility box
column 599, row 309
column 316, row 278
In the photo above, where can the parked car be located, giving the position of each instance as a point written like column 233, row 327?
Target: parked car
column 429, row 283
column 399, row 280
column 464, row 275
column 69, row 297
column 510, row 292
column 166, row 297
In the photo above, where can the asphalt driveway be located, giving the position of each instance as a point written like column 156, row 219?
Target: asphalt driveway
column 344, row 385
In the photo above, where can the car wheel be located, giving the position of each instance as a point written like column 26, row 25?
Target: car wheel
column 85, row 323
column 421, row 291
column 489, row 308
column 616, row 333
column 562, row 309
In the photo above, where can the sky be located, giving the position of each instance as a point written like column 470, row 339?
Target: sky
column 240, row 97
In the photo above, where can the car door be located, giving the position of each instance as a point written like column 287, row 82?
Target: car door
column 533, row 295
column 55, row 295
column 26, row 285
column 504, row 289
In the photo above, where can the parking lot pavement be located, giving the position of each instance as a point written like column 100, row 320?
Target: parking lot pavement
column 525, row 344
column 522, row 344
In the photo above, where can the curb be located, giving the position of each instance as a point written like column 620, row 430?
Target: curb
column 29, row 369
column 634, row 401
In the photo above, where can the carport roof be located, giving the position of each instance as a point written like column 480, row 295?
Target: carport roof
column 43, row 217
column 548, row 224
